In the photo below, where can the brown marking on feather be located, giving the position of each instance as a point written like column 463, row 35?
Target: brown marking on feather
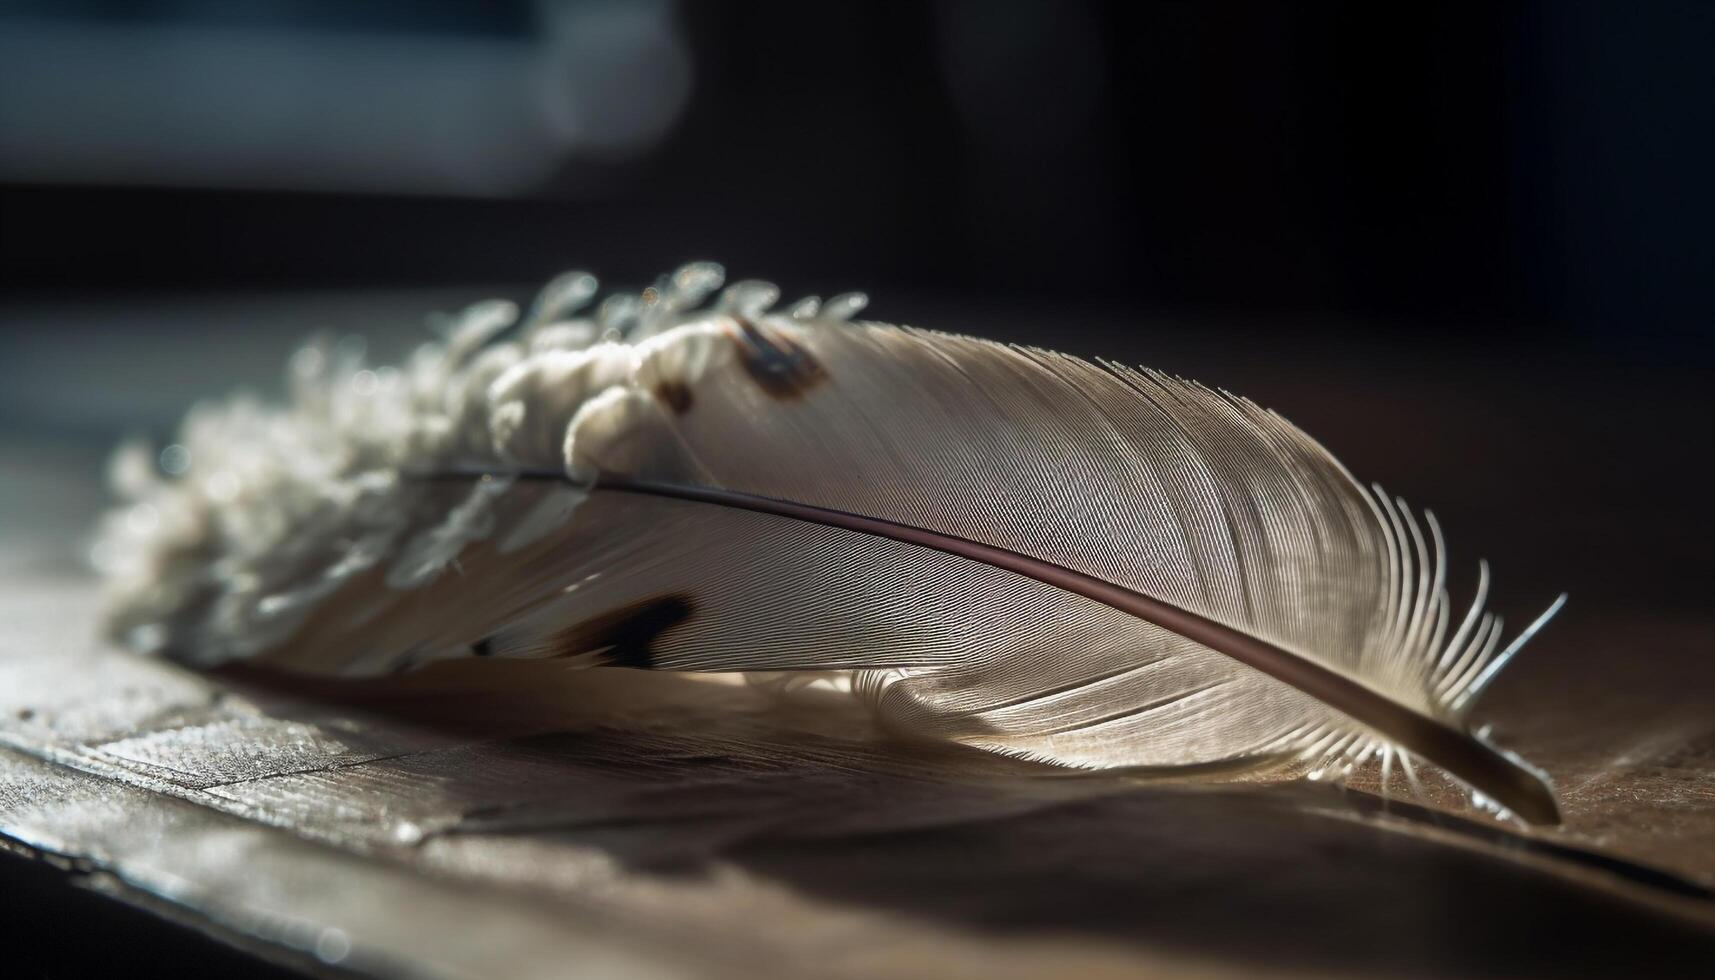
column 779, row 365
column 676, row 395
column 624, row 636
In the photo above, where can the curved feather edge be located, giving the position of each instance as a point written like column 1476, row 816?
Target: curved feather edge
column 282, row 512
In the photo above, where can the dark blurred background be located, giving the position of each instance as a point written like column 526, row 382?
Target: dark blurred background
column 1535, row 168
column 1468, row 245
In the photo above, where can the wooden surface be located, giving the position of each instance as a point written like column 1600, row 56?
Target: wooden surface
column 492, row 819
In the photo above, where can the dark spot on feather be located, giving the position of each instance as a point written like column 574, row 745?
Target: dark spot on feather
column 625, row 635
column 676, row 395
column 483, row 647
column 779, row 366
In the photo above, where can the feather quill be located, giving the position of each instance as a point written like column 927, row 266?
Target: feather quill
column 1081, row 563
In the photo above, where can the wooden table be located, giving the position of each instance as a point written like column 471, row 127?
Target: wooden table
column 504, row 819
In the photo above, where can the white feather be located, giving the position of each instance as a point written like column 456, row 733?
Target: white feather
column 309, row 537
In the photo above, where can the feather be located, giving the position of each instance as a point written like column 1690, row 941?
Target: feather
column 1080, row 563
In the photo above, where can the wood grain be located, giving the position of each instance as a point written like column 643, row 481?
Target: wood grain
column 493, row 819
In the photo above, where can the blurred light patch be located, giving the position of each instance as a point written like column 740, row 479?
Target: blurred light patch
column 304, row 99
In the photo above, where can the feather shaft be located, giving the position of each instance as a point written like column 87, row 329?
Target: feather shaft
column 1480, row 765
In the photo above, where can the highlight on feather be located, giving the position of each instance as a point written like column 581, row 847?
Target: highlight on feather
column 1081, row 563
